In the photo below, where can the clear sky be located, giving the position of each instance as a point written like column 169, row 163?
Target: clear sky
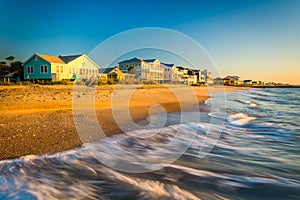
column 254, row 39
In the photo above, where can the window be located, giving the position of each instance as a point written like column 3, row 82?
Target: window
column 44, row 69
column 70, row 70
column 30, row 69
column 61, row 69
column 57, row 69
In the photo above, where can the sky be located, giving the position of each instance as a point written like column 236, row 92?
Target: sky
column 254, row 39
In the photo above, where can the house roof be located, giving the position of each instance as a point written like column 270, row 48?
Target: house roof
column 69, row 58
column 106, row 70
column 219, row 78
column 150, row 60
column 59, row 59
column 132, row 60
column 136, row 59
column 231, row 77
column 168, row 65
column 51, row 59
column 191, row 72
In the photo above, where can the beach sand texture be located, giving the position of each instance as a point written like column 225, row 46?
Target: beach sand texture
column 38, row 119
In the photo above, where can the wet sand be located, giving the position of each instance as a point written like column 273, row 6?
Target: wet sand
column 39, row 119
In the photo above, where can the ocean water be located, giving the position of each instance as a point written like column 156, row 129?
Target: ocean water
column 256, row 156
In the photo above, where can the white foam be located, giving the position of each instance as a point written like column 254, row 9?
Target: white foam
column 251, row 104
column 240, row 119
column 153, row 189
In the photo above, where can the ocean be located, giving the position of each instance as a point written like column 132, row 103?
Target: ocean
column 254, row 154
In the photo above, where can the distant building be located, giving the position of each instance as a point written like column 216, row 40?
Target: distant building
column 113, row 74
column 218, row 81
column 207, row 77
column 55, row 68
column 168, row 72
column 231, row 80
column 247, row 82
column 143, row 69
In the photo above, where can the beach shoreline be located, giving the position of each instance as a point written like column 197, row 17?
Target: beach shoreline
column 39, row 119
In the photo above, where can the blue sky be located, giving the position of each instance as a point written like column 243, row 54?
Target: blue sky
column 254, row 39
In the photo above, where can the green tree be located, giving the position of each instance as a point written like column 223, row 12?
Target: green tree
column 4, row 69
column 10, row 59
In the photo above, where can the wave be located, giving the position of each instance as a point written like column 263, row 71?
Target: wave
column 251, row 104
column 240, row 119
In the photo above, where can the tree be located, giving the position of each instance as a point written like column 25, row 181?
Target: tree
column 4, row 69
column 16, row 66
column 10, row 59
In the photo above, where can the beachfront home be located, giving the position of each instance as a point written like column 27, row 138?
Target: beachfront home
column 113, row 74
column 56, row 68
column 207, row 77
column 231, row 80
column 171, row 73
column 192, row 78
column 168, row 72
column 143, row 69
column 218, row 81
column 247, row 82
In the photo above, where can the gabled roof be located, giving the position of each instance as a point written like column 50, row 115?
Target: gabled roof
column 231, row 77
column 132, row 60
column 106, row 70
column 136, row 59
column 168, row 65
column 51, row 59
column 180, row 67
column 69, row 58
column 150, row 60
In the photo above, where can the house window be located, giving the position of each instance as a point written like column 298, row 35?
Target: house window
column 30, row 69
column 80, row 71
column 44, row 69
column 61, row 69
column 70, row 70
column 57, row 69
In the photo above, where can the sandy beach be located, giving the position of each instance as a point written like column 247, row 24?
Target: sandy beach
column 38, row 119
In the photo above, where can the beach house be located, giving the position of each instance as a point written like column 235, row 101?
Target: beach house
column 56, row 68
column 231, row 80
column 208, row 77
column 218, row 81
column 143, row 69
column 113, row 74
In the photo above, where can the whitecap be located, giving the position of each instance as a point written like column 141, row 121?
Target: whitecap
column 240, row 119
